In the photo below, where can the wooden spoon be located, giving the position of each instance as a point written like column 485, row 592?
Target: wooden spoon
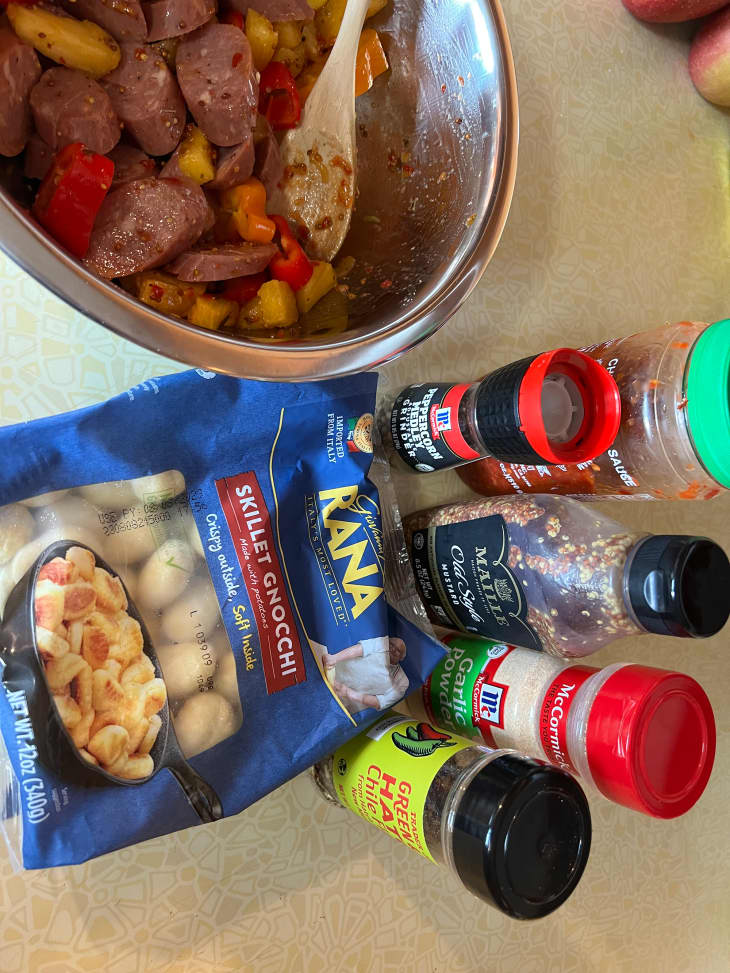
column 318, row 188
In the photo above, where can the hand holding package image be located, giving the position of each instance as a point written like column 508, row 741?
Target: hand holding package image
column 193, row 603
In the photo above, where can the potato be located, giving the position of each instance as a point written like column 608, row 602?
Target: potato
column 295, row 58
column 709, row 59
column 670, row 11
column 251, row 317
column 262, row 37
column 278, row 304
column 73, row 43
column 164, row 292
column 311, row 44
column 196, row 156
column 290, row 33
column 322, row 280
column 375, row 7
column 327, row 20
column 316, row 4
column 213, row 312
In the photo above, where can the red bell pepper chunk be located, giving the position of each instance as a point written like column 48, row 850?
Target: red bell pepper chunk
column 243, row 289
column 233, row 17
column 279, row 99
column 293, row 266
column 71, row 195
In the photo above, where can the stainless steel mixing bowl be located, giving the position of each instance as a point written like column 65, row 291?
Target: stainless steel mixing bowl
column 437, row 155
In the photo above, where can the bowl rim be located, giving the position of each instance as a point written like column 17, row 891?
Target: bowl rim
column 40, row 256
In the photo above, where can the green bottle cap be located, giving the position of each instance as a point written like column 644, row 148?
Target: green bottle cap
column 708, row 395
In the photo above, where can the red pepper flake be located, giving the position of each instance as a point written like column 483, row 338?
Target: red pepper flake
column 443, row 89
column 157, row 292
column 386, row 284
column 460, row 80
column 682, row 404
column 342, row 164
column 408, row 171
column 324, row 224
column 236, row 59
column 680, row 344
column 653, row 383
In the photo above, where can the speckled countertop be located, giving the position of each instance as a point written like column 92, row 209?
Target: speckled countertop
column 620, row 222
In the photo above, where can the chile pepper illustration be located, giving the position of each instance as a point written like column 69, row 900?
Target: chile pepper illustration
column 427, row 732
column 421, row 741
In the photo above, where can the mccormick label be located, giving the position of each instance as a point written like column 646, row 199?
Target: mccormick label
column 424, row 427
column 467, row 584
column 464, row 692
column 385, row 775
column 554, row 711
column 249, row 524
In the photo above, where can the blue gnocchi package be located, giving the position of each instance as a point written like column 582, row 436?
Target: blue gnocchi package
column 203, row 591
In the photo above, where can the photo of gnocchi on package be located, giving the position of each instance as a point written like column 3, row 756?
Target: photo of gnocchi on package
column 186, row 572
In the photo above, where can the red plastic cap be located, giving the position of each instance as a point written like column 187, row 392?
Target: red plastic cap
column 600, row 398
column 650, row 740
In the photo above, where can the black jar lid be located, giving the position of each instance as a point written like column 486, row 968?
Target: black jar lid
column 521, row 836
column 678, row 585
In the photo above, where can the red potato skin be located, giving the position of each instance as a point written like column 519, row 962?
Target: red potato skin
column 709, row 59
column 671, row 11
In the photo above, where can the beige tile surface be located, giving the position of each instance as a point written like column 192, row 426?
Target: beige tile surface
column 620, row 222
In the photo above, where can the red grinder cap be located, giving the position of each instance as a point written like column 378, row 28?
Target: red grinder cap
column 558, row 407
column 650, row 740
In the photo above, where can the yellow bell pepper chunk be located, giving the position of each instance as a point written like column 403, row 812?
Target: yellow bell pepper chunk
column 247, row 204
column 371, row 61
column 278, row 304
column 320, row 283
column 262, row 37
column 212, row 312
column 73, row 43
column 196, row 156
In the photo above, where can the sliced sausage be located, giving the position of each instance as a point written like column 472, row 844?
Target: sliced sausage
column 235, row 165
column 38, row 158
column 131, row 163
column 217, row 76
column 268, row 166
column 171, row 169
column 223, row 262
column 274, row 9
column 147, row 99
column 69, row 107
column 19, row 72
column 172, row 18
column 144, row 224
column 122, row 18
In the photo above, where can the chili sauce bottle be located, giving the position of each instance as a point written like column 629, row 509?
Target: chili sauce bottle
column 516, row 832
column 558, row 407
column 673, row 442
column 643, row 737
column 552, row 574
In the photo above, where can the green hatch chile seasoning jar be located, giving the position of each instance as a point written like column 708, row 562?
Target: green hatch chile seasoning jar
column 516, row 832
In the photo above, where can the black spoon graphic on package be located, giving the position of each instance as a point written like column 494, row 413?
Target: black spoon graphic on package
column 22, row 669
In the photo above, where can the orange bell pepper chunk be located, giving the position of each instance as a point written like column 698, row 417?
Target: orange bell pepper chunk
column 371, row 61
column 247, row 205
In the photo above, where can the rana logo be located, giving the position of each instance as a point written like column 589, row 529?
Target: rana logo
column 352, row 522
